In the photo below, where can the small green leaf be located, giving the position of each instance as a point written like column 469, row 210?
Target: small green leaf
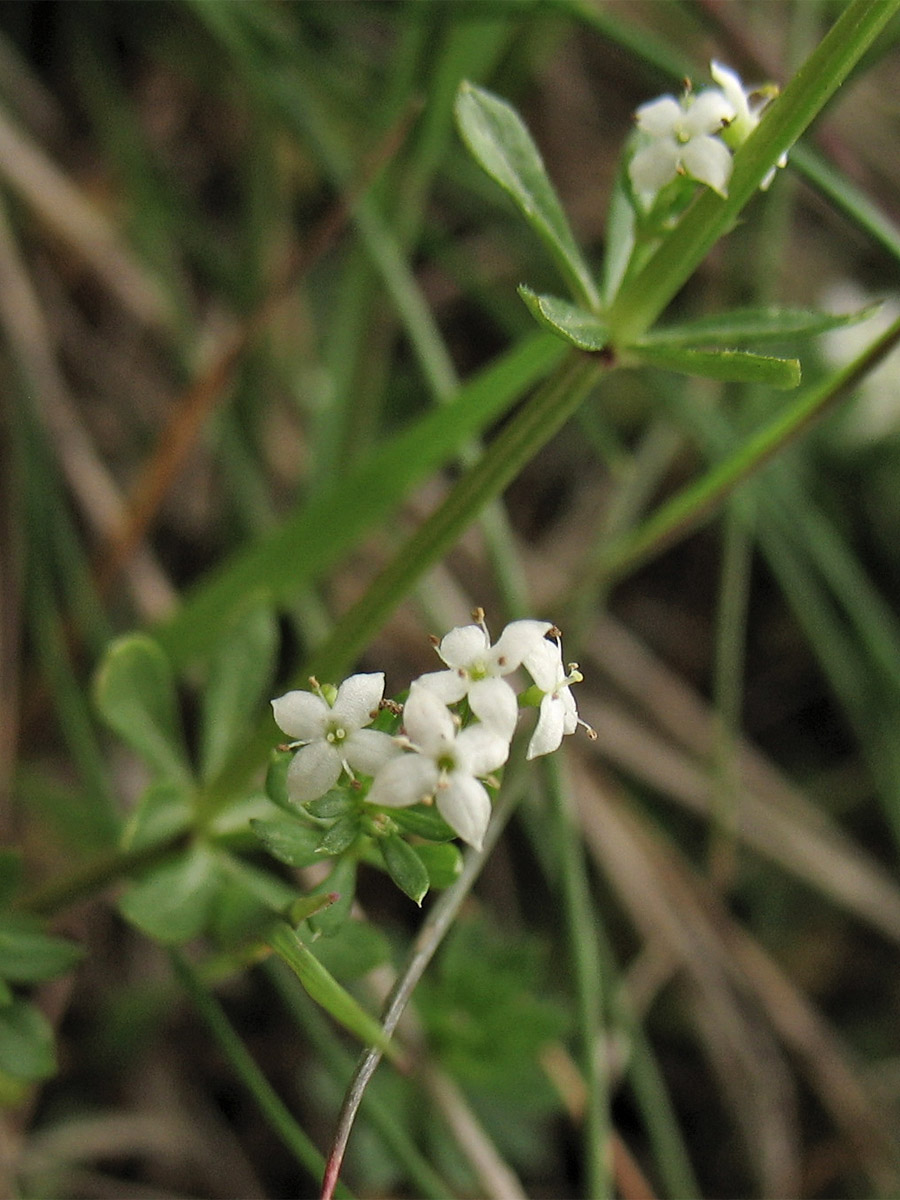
column 729, row 366
column 753, row 325
column 162, row 813
column 500, row 143
column 342, row 834
column 342, row 882
column 135, row 693
column 573, row 324
column 172, row 902
column 425, row 821
column 405, row 867
column 276, row 778
column 336, row 803
column 443, row 862
column 289, row 841
column 26, row 1042
column 239, row 676
column 326, row 991
column 28, row 955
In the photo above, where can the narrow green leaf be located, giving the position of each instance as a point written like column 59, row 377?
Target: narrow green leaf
column 753, row 324
column 26, row 1042
column 314, row 538
column 405, row 867
column 28, row 955
column 729, row 366
column 134, row 691
column 172, row 902
column 567, row 320
column 239, row 677
column 289, row 841
column 341, row 836
column 503, row 147
column 327, row 992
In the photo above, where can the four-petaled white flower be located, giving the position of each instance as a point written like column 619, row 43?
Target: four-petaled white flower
column 333, row 737
column 476, row 669
column 442, row 763
column 746, row 116
column 558, row 715
column 682, row 142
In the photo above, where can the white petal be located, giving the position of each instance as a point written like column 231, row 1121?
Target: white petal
column 570, row 711
column 403, row 781
column 708, row 160
column 707, row 113
column 545, row 666
column 494, row 702
column 514, row 643
column 548, row 733
column 479, row 750
column 357, row 698
column 659, row 117
column 427, row 721
column 466, row 807
column 654, row 166
column 367, row 750
column 448, row 686
column 301, row 715
column 463, row 644
column 730, row 83
column 314, row 770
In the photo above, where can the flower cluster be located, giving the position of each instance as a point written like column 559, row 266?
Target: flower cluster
column 695, row 135
column 457, row 725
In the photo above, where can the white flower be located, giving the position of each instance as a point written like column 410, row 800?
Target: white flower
column 558, row 714
column 332, row 736
column 477, row 667
column 746, row 117
column 682, row 141
column 445, row 764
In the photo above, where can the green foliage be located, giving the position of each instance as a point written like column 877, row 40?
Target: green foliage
column 503, row 147
column 134, row 691
column 489, row 1012
column 240, row 677
column 173, row 902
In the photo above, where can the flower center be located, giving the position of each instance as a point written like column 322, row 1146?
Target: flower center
column 336, row 735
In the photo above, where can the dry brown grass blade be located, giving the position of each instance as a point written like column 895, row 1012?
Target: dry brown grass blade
column 71, row 216
column 90, row 482
column 774, row 817
column 669, row 901
column 749, row 1065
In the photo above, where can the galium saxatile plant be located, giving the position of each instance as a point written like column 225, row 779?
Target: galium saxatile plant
column 446, row 740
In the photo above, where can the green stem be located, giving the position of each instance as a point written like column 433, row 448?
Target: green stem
column 644, row 296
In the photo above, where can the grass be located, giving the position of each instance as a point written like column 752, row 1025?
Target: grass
column 264, row 355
